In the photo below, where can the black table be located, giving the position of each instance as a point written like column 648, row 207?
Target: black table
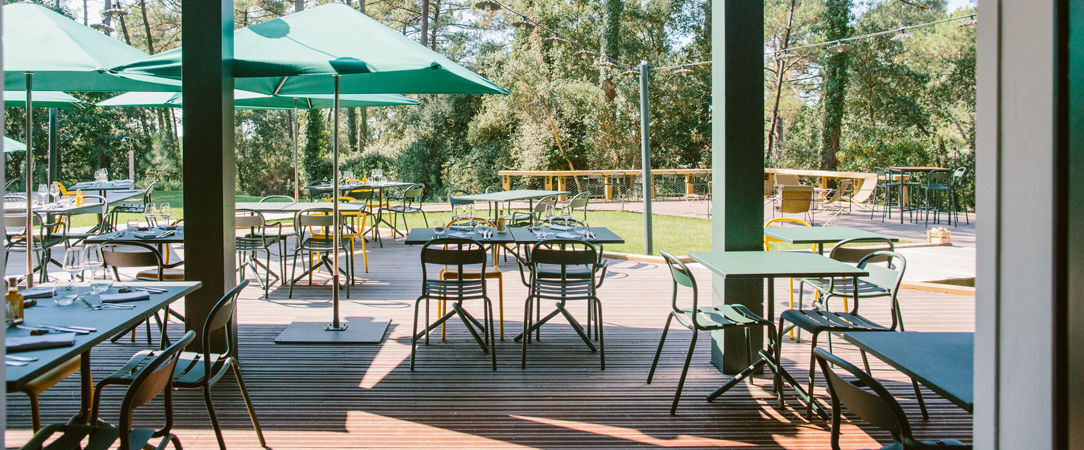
column 514, row 235
column 943, row 362
column 107, row 321
column 418, row 236
column 160, row 239
column 103, row 187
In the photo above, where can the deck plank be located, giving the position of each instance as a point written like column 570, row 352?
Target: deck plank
column 366, row 396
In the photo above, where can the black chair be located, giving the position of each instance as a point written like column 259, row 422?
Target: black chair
column 132, row 208
column 944, row 183
column 146, row 383
column 705, row 318
column 879, row 407
column 851, row 251
column 202, row 370
column 138, row 254
column 46, row 236
column 410, row 202
column 556, row 274
column 465, row 255
column 817, row 320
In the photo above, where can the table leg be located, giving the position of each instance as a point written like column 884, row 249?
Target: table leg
column 86, row 386
column 771, row 299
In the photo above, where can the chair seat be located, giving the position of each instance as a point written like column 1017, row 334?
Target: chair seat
column 816, row 321
column 845, row 287
column 167, row 274
column 452, row 273
column 720, row 317
column 403, row 209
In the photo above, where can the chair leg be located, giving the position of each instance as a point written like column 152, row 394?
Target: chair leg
column 214, row 418
column 492, row 334
column 293, row 273
column 526, row 332
column 35, row 411
column 601, row 340
column 658, row 351
column 500, row 300
column 248, row 402
column 414, row 335
column 684, row 372
column 921, row 401
column 812, row 376
column 837, row 415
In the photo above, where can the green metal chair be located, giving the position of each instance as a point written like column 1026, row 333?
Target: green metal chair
column 410, row 202
column 704, row 318
column 819, row 320
column 554, row 265
column 146, row 382
column 46, row 236
column 878, row 407
column 462, row 256
column 314, row 230
column 259, row 237
column 541, row 212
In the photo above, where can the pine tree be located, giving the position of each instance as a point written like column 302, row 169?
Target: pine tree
column 314, row 156
column 837, row 15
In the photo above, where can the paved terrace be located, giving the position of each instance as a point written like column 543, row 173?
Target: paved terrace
column 366, row 396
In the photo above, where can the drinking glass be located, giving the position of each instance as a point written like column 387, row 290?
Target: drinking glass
column 468, row 209
column 73, row 264
column 483, row 229
column 580, row 230
column 54, row 191
column 92, row 259
column 151, row 214
column 165, row 211
column 43, row 191
column 439, row 231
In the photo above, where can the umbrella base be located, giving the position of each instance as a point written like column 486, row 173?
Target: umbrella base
column 354, row 330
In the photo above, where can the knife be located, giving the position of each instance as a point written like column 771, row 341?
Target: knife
column 74, row 327
column 65, row 329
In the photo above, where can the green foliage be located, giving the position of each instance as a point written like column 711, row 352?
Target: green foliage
column 837, row 15
column 315, row 158
column 264, row 152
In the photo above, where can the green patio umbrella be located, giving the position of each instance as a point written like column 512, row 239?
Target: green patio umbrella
column 331, row 49
column 301, row 54
column 46, row 50
column 12, row 146
column 46, row 99
column 252, row 100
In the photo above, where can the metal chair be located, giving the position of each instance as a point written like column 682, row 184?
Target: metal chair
column 410, row 202
column 48, row 235
column 550, row 262
column 43, row 382
column 318, row 243
column 846, row 251
column 463, row 255
column 597, row 184
column 768, row 240
column 132, row 208
column 202, row 370
column 259, row 237
column 879, row 407
column 541, row 212
column 370, row 211
column 354, row 228
column 578, row 202
column 704, row 318
column 944, row 183
column 469, row 273
column 135, row 255
column 155, row 377
column 817, row 321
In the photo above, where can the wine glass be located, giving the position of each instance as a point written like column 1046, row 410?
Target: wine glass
column 92, row 259
column 468, row 209
column 165, row 211
column 580, row 229
column 151, row 214
column 73, row 264
column 43, row 191
column 54, row 191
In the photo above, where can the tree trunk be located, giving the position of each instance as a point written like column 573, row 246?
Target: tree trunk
column 780, row 78
column 124, row 26
column 837, row 20
column 611, row 37
column 351, row 129
column 147, row 26
column 425, row 23
column 299, row 5
column 436, row 25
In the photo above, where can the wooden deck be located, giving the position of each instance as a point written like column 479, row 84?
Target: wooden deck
column 366, row 396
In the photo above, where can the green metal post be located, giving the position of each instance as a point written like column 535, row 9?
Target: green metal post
column 209, row 170
column 645, row 152
column 737, row 160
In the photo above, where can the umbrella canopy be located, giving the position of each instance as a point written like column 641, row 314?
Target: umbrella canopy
column 302, row 52
column 252, row 100
column 65, row 55
column 44, row 99
column 11, row 145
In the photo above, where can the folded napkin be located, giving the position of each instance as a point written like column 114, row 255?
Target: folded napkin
column 569, row 236
column 37, row 292
column 461, row 228
column 146, row 234
column 126, row 297
column 28, row 343
column 556, row 227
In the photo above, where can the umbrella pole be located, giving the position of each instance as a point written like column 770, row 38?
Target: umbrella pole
column 297, row 177
column 29, row 230
column 335, row 233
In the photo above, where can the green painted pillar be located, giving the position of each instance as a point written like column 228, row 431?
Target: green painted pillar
column 209, row 171
column 737, row 153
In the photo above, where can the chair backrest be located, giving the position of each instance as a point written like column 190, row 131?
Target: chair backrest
column 544, row 204
column 413, row 193
column 131, row 254
column 854, row 250
column 878, row 407
column 247, row 218
column 459, row 253
column 453, row 199
column 579, row 201
column 494, row 188
column 550, row 261
column 19, row 220
column 890, row 275
column 314, row 218
column 277, row 198
column 943, row 177
column 795, row 199
column 778, row 222
column 785, row 179
column 865, row 190
column 958, row 175
column 843, row 186
column 221, row 317
column 154, row 378
column 148, row 196
column 681, row 276
column 361, row 195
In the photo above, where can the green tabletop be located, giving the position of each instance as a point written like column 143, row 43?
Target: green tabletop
column 820, row 235
column 273, row 207
column 941, row 361
column 761, row 264
column 510, row 196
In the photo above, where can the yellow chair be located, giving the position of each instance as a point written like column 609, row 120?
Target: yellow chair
column 42, row 383
column 452, row 273
column 360, row 219
column 768, row 240
column 65, row 193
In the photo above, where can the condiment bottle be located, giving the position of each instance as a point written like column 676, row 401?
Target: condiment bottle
column 14, row 300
